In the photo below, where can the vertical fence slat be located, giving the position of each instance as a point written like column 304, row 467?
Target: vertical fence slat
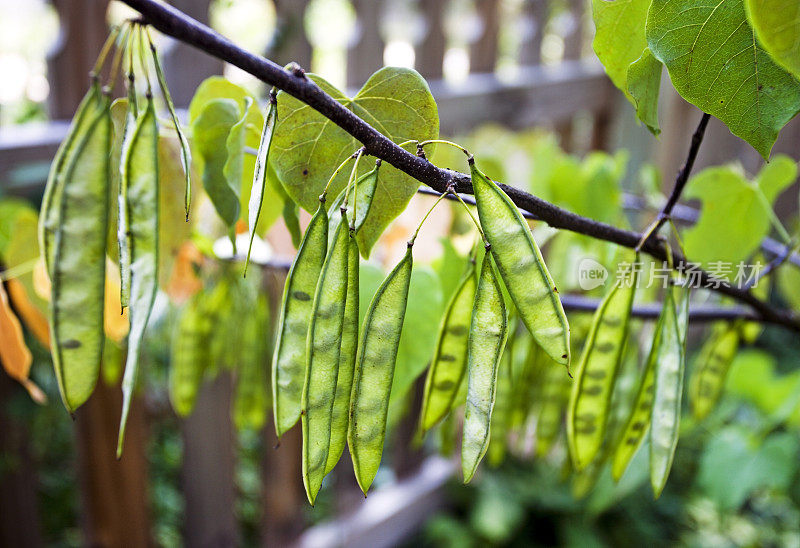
column 483, row 53
column 290, row 42
column 113, row 492
column 186, row 66
column 573, row 40
column 83, row 31
column 429, row 53
column 207, row 472
column 283, row 499
column 534, row 16
column 19, row 514
column 366, row 54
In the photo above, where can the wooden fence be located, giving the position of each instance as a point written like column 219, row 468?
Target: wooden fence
column 115, row 509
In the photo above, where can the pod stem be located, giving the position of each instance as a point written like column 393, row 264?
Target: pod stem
column 143, row 61
column 338, row 169
column 351, row 182
column 104, row 51
column 451, row 190
column 119, row 49
column 422, row 144
column 425, row 218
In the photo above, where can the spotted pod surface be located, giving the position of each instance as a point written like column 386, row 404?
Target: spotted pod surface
column 141, row 182
column 79, row 209
column 289, row 362
column 251, row 398
column 189, row 356
column 711, row 369
column 521, row 267
column 374, row 371
column 322, row 359
column 487, row 338
column 553, row 400
column 449, row 362
column 49, row 216
column 597, row 371
column 340, row 414
column 638, row 422
column 668, row 385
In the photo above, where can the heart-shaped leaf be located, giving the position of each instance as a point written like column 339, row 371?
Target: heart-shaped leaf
column 620, row 43
column 777, row 25
column 716, row 63
column 308, row 147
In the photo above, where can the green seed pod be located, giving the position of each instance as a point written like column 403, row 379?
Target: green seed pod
column 487, row 338
column 374, row 372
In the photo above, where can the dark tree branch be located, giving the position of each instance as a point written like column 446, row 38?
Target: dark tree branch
column 174, row 23
column 650, row 311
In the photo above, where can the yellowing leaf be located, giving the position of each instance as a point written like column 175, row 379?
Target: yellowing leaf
column 115, row 320
column 14, row 353
column 41, row 281
column 184, row 282
column 34, row 319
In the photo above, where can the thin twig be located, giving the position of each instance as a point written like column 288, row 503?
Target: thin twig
column 294, row 82
column 680, row 182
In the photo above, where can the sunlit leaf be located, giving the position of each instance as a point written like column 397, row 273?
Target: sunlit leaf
column 308, row 147
column 716, row 64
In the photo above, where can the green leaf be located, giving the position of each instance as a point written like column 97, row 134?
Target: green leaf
column 644, row 80
column 308, row 147
column 210, row 132
column 732, row 453
column 734, row 218
column 620, row 44
column 777, row 25
column 217, row 87
column 233, row 170
column 716, row 64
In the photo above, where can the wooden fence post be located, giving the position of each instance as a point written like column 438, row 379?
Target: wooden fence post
column 113, row 492
column 207, row 474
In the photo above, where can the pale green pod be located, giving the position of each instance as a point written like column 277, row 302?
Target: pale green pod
column 668, row 385
column 374, row 372
column 322, row 359
column 503, row 409
column 711, row 369
column 487, row 338
column 638, row 423
column 553, row 400
column 521, row 267
column 186, row 151
column 257, row 192
column 123, row 211
column 251, row 397
column 188, row 360
column 289, row 362
column 49, row 220
column 340, row 415
column 597, row 371
column 362, row 193
column 449, row 361
column 77, row 271
column 141, row 183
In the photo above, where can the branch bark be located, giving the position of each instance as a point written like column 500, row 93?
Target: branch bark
column 177, row 25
